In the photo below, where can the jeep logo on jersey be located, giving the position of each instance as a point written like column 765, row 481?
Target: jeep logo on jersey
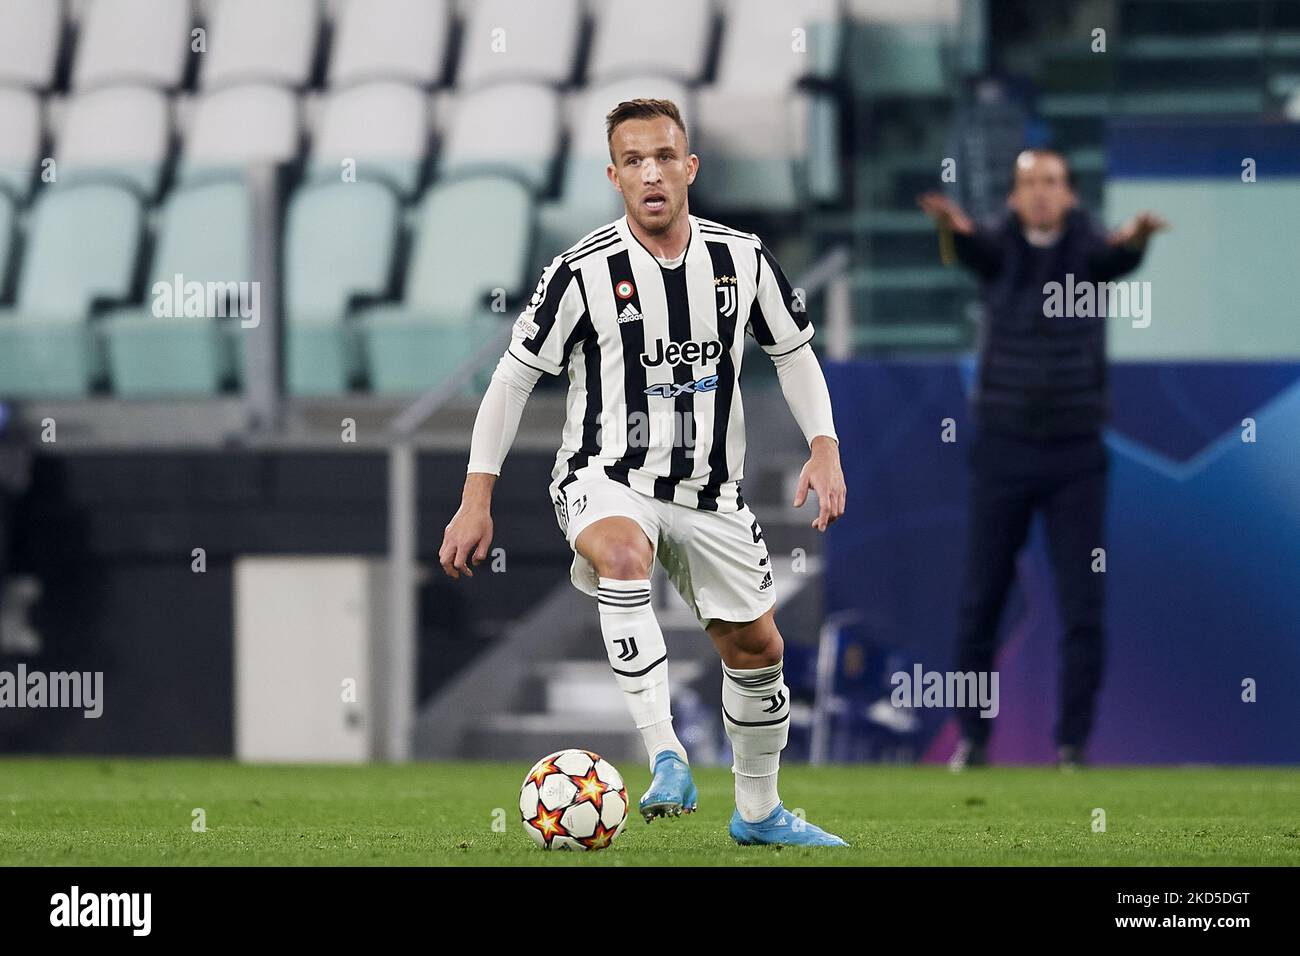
column 675, row 353
column 673, row 389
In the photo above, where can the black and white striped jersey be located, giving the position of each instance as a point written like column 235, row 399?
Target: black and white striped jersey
column 653, row 356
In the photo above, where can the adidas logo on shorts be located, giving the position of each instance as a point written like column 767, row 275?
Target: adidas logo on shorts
column 767, row 581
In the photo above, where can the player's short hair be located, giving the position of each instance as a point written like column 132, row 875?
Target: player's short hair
column 641, row 109
column 1041, row 151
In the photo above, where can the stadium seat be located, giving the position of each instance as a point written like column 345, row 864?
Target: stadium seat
column 20, row 140
column 31, row 32
column 507, row 40
column 756, row 129
column 340, row 244
column 674, row 41
column 383, row 127
column 587, row 200
column 759, row 54
column 510, row 128
column 235, row 127
column 120, row 133
column 205, row 237
column 473, row 237
column 766, row 155
column 82, row 247
column 403, row 40
column 145, row 42
column 252, row 41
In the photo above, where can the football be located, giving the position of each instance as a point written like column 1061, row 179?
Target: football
column 573, row 800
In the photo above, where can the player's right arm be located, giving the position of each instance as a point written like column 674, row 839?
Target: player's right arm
column 468, row 535
column 546, row 327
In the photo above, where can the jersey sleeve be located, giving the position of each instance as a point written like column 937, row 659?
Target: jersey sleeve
column 553, row 321
column 778, row 319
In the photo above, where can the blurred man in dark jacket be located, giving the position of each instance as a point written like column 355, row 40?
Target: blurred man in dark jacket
column 1040, row 404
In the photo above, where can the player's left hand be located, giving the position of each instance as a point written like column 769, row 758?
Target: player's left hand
column 823, row 475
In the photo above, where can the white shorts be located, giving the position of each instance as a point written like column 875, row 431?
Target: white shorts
column 718, row 562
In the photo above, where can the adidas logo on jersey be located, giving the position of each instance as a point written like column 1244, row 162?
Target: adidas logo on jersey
column 629, row 314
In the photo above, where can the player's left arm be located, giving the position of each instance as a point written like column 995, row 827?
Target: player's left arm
column 780, row 324
column 804, row 388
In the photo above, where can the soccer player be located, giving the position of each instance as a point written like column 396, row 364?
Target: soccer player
column 649, row 315
column 1040, row 402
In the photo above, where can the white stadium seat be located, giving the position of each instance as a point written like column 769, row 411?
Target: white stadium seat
column 119, row 132
column 384, row 127
column 234, row 127
column 508, row 40
column 750, row 147
column 670, row 38
column 471, row 236
column 253, row 41
column 30, row 34
column 510, row 127
column 144, row 42
column 758, row 53
column 756, row 129
column 20, row 139
column 390, row 40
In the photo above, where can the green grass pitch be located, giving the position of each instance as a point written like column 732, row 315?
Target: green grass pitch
column 140, row 812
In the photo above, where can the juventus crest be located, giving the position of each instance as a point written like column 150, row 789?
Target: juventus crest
column 725, row 286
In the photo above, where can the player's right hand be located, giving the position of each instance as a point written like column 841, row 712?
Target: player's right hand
column 467, row 537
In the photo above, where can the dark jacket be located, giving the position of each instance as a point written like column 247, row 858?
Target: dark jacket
column 1041, row 376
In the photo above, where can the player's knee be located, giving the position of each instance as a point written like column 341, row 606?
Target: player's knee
column 771, row 649
column 754, row 644
column 625, row 559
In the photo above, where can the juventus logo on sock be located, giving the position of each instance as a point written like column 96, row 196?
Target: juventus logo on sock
column 627, row 648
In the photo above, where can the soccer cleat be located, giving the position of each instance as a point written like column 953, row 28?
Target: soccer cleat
column 780, row 828
column 672, row 791
column 968, row 754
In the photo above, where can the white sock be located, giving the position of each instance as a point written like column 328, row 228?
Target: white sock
column 756, row 795
column 659, row 737
column 756, row 715
column 638, row 655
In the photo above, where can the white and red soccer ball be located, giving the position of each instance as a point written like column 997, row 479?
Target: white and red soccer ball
column 573, row 800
